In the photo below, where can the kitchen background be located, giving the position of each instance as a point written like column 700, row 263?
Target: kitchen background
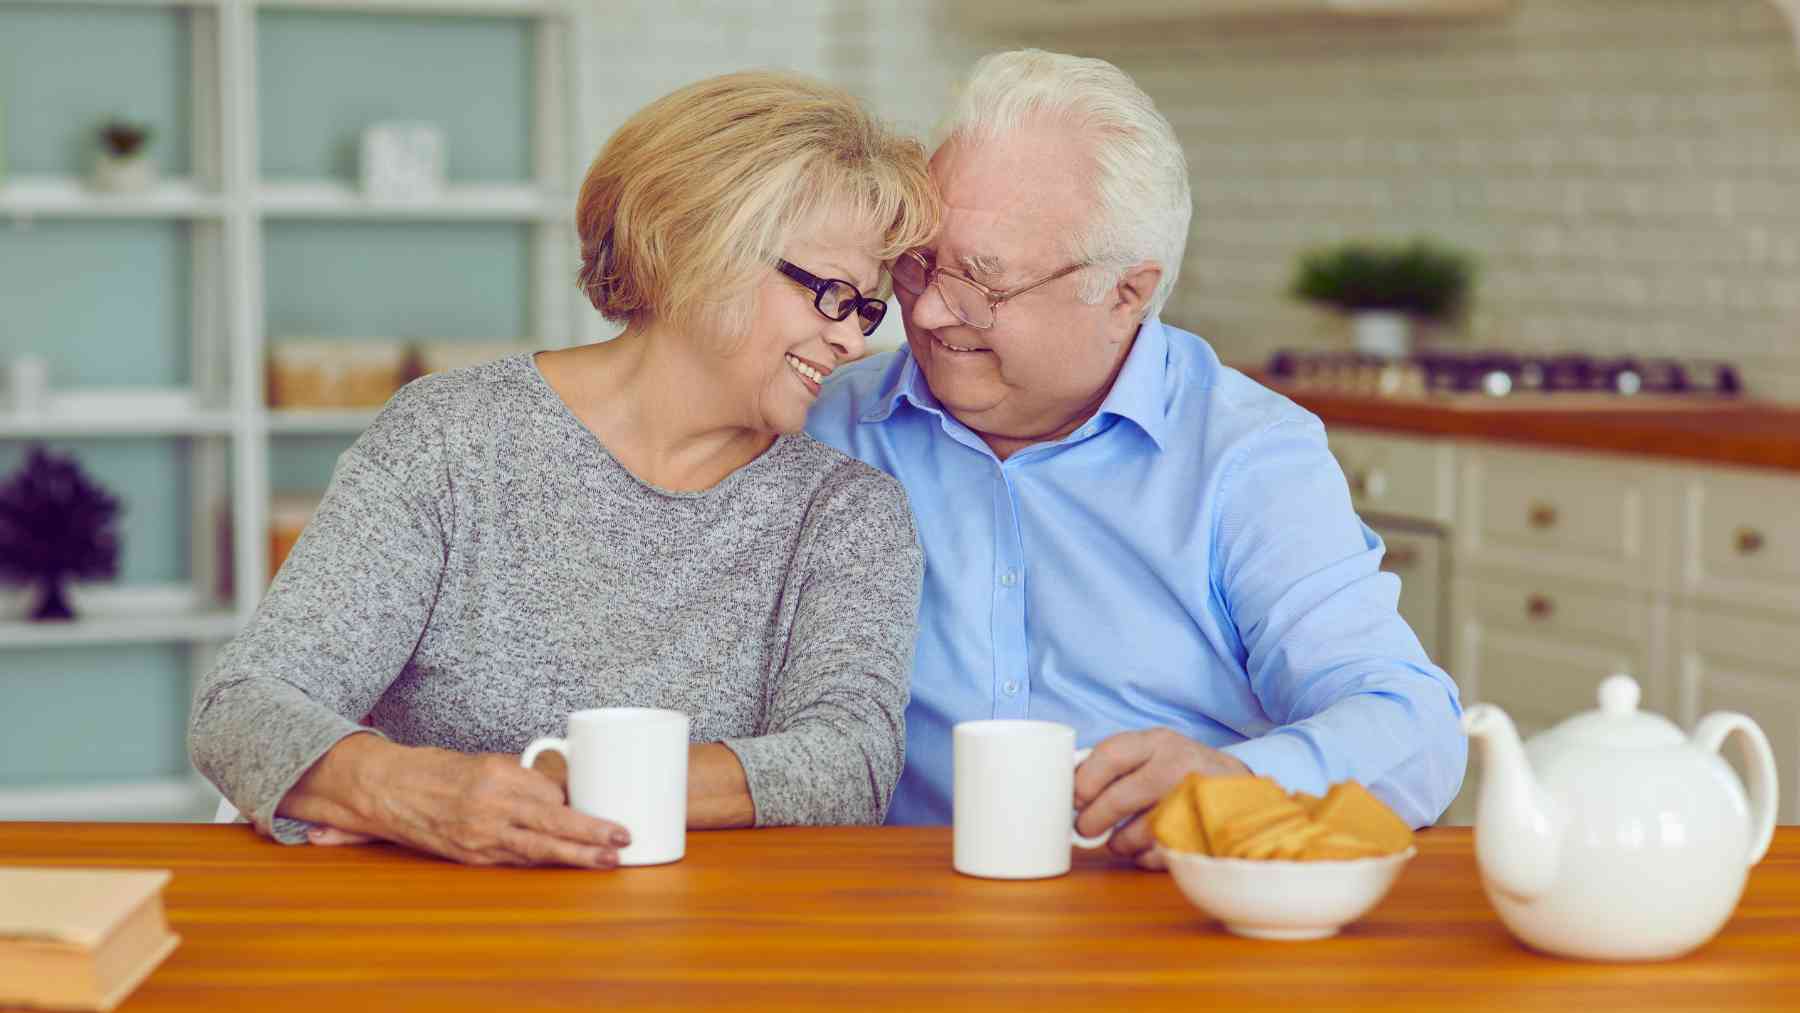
column 1626, row 174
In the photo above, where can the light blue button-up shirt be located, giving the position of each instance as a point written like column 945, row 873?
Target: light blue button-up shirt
column 1187, row 558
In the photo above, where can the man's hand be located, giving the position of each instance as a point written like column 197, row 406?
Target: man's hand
column 1128, row 773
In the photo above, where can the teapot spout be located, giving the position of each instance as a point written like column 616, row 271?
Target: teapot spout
column 1518, row 826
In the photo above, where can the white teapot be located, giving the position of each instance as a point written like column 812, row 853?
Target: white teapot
column 1613, row 836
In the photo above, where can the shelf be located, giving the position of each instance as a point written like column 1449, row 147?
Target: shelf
column 23, row 197
column 117, row 411
column 46, row 426
column 147, row 3
column 164, row 798
column 214, row 624
column 332, row 200
column 310, row 422
column 476, row 7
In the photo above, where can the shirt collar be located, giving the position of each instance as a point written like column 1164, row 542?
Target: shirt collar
column 1136, row 393
column 905, row 380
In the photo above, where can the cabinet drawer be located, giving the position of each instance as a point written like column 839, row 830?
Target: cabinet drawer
column 1396, row 476
column 1587, row 518
column 1742, row 539
column 1539, row 650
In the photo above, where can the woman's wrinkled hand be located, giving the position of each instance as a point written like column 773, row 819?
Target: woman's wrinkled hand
column 476, row 809
column 325, row 836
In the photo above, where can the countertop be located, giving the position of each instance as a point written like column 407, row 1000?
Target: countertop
column 1722, row 431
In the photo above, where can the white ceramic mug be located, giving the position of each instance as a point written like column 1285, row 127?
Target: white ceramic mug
column 629, row 765
column 1013, row 800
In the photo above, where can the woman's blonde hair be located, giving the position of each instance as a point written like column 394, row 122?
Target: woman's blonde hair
column 700, row 191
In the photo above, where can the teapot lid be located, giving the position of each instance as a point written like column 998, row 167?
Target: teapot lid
column 1618, row 724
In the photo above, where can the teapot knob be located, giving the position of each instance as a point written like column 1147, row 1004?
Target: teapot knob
column 1619, row 694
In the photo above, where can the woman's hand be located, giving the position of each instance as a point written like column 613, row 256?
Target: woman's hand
column 325, row 836
column 479, row 810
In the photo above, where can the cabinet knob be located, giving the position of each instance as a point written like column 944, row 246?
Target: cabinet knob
column 1541, row 515
column 1539, row 606
column 1400, row 559
column 1371, row 483
column 1749, row 541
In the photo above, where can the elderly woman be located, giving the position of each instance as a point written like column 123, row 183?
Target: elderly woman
column 639, row 522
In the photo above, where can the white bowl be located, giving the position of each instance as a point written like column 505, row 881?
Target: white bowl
column 1284, row 900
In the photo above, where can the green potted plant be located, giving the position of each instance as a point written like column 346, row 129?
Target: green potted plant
column 125, row 165
column 1386, row 287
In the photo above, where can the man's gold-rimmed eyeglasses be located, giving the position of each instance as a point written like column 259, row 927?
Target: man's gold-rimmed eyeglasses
column 972, row 302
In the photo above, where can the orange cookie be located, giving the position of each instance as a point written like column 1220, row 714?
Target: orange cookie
column 1350, row 809
column 1334, row 845
column 1288, row 836
column 1176, row 819
column 1222, row 799
column 1310, row 803
column 1231, row 837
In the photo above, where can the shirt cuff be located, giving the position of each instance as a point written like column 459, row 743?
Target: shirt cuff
column 1289, row 759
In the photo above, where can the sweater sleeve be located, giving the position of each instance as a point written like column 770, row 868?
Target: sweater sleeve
column 338, row 624
column 836, row 734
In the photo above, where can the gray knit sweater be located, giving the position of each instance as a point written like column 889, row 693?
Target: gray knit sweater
column 481, row 566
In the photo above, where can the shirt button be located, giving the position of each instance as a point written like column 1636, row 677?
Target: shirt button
column 1011, row 688
column 1009, row 578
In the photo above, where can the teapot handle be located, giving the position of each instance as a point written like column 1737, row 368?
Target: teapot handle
column 1710, row 734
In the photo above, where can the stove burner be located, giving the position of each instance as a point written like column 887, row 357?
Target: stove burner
column 1500, row 374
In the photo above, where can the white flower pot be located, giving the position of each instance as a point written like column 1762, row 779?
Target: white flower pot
column 124, row 175
column 1382, row 334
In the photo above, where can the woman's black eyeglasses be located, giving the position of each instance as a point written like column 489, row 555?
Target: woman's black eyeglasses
column 836, row 298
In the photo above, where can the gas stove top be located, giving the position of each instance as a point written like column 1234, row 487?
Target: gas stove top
column 1503, row 374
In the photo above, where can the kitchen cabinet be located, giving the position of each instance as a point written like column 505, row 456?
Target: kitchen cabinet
column 1397, row 476
column 1583, row 517
column 1570, row 566
column 1725, row 661
column 1741, row 540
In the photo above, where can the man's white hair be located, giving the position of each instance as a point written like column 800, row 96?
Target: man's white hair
column 1142, row 203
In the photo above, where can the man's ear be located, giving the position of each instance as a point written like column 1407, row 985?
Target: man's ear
column 1131, row 297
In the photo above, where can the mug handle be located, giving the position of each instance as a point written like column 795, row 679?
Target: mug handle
column 547, row 744
column 1710, row 735
column 1075, row 835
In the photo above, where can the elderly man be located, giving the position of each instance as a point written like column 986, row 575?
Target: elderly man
column 1120, row 533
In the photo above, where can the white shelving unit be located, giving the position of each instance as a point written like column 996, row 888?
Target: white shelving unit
column 24, row 198
column 223, row 417
column 318, row 200
column 319, row 423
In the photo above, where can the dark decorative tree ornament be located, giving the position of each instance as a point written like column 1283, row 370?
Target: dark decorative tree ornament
column 55, row 524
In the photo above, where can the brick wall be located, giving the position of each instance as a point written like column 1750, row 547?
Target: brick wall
column 1627, row 171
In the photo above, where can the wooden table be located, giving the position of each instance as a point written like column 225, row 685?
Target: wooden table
column 850, row 919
